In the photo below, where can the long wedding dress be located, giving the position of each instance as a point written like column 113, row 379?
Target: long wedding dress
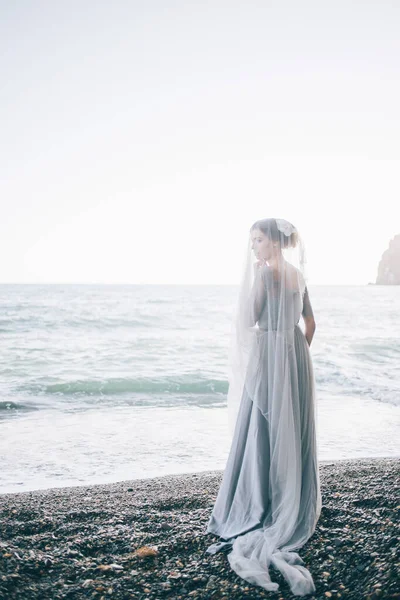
column 269, row 500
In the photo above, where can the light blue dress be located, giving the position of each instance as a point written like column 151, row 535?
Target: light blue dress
column 253, row 496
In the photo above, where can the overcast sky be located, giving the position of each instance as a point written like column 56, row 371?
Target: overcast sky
column 141, row 139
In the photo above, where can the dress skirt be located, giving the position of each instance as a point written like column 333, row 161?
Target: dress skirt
column 245, row 500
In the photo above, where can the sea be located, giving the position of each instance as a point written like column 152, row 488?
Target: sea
column 105, row 383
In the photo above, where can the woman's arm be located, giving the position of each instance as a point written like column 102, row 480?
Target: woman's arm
column 308, row 317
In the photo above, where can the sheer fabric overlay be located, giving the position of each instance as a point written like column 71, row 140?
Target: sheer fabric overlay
column 269, row 500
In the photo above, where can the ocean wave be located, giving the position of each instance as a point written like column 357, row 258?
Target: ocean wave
column 188, row 384
column 12, row 405
column 31, row 323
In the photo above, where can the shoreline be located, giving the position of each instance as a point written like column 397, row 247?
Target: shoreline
column 131, row 482
column 82, row 541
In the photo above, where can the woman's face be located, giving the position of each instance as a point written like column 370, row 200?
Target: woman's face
column 261, row 245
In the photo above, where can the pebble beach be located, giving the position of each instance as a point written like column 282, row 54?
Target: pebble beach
column 145, row 539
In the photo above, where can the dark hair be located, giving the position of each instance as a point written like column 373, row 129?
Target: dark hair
column 270, row 229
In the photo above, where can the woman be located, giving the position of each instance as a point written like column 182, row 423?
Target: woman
column 269, row 500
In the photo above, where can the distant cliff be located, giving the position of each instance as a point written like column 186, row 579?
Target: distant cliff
column 389, row 266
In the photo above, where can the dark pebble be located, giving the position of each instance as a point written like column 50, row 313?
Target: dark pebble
column 81, row 542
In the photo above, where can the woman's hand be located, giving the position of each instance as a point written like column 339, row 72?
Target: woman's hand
column 258, row 264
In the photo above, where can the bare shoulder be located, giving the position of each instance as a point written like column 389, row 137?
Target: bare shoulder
column 295, row 277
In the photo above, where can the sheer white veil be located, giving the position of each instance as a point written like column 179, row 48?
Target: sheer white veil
column 275, row 289
column 270, row 364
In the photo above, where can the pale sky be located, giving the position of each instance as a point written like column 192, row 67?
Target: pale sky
column 141, row 139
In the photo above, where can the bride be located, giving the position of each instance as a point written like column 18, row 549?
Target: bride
column 269, row 500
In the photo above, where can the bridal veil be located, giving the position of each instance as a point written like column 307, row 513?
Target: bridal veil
column 271, row 375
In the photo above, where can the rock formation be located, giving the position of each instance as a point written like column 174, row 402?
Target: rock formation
column 389, row 266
